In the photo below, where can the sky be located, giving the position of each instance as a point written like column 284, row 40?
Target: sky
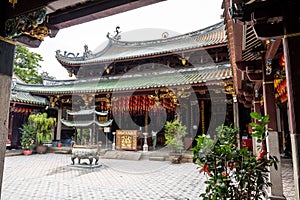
column 171, row 16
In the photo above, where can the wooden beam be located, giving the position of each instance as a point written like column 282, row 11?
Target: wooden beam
column 272, row 49
column 94, row 10
column 24, row 6
column 253, row 65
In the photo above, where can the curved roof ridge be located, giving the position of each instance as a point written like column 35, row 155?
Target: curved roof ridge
column 213, row 28
column 87, row 54
column 118, row 50
column 101, row 52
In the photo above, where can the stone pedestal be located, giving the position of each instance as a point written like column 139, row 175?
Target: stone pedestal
column 295, row 140
column 145, row 146
column 276, row 191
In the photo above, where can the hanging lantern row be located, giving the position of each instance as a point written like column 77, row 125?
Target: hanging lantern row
column 143, row 103
column 104, row 106
column 277, row 82
column 281, row 91
column 281, row 88
column 21, row 110
column 280, row 82
column 282, row 61
column 139, row 105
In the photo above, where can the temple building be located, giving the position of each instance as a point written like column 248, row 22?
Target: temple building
column 22, row 103
column 143, row 84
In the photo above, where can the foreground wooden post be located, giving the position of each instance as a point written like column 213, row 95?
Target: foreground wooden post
column 292, row 62
column 7, row 50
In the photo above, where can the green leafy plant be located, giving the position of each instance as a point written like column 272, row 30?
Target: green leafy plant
column 259, row 129
column 27, row 65
column 233, row 173
column 174, row 133
column 43, row 126
column 28, row 137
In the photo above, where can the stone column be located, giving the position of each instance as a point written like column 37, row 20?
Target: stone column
column 272, row 142
column 7, row 51
column 236, row 118
column 58, row 127
column 256, row 108
column 292, row 63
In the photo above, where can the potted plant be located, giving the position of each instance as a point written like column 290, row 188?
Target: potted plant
column 174, row 134
column 233, row 173
column 43, row 129
column 27, row 139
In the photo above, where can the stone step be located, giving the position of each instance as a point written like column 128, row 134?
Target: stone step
column 66, row 150
column 157, row 158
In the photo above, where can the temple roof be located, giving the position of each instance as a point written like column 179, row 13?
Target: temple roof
column 85, row 123
column 27, row 98
column 207, row 75
column 120, row 50
column 87, row 112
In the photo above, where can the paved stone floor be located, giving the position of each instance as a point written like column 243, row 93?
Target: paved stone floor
column 50, row 176
column 288, row 179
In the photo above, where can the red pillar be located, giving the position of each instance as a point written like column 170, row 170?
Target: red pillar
column 272, row 141
column 291, row 45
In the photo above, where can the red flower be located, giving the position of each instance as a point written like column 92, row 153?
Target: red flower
column 205, row 168
column 225, row 174
column 261, row 155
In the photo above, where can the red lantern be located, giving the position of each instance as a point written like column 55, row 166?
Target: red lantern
column 282, row 61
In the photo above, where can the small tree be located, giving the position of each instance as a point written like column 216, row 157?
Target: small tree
column 28, row 137
column 174, row 133
column 233, row 173
column 26, row 65
column 43, row 126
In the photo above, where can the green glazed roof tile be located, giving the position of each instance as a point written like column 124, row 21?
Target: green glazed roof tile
column 123, row 83
column 25, row 97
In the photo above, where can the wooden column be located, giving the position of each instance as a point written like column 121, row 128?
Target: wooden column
column 81, row 133
column 146, row 122
column 7, row 50
column 272, row 142
column 202, row 110
column 292, row 63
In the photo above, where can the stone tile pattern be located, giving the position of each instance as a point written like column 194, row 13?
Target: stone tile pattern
column 288, row 180
column 48, row 176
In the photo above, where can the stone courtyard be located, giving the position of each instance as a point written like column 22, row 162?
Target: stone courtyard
column 50, row 176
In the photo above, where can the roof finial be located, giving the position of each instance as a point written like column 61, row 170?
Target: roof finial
column 116, row 36
column 86, row 52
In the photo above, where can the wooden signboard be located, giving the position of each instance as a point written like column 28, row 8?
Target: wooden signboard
column 127, row 139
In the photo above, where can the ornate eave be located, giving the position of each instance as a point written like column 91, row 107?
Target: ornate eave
column 85, row 123
column 27, row 98
column 87, row 112
column 208, row 75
